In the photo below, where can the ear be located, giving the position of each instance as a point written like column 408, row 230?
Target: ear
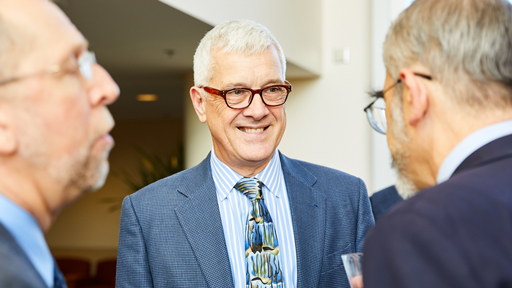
column 8, row 142
column 417, row 97
column 199, row 103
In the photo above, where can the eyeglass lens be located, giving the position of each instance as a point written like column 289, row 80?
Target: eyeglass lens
column 241, row 98
column 85, row 62
column 377, row 118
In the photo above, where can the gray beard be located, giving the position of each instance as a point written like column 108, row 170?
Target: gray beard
column 405, row 187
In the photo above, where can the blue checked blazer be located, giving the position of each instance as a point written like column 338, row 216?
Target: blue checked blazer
column 171, row 233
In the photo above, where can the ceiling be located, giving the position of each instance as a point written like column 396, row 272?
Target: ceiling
column 147, row 47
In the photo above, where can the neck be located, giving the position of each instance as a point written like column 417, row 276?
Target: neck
column 249, row 171
column 32, row 195
column 246, row 168
column 455, row 127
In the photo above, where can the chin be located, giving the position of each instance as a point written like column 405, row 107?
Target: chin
column 259, row 155
column 99, row 178
column 405, row 187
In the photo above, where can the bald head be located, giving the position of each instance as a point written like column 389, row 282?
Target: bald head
column 25, row 26
column 9, row 41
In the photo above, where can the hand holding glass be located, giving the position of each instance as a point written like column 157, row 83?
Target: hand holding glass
column 353, row 267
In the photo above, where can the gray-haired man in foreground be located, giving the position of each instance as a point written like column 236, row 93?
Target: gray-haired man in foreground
column 448, row 98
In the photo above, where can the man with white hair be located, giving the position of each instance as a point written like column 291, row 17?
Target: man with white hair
column 247, row 216
column 54, row 133
column 448, row 95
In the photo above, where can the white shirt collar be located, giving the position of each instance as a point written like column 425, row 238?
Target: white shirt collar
column 226, row 178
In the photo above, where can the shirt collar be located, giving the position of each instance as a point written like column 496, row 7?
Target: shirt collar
column 225, row 178
column 470, row 144
column 28, row 234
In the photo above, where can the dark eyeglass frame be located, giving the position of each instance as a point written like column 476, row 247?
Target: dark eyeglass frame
column 380, row 94
column 223, row 93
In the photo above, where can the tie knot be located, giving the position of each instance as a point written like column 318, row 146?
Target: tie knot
column 250, row 187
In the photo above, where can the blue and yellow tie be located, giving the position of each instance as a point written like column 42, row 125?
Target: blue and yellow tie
column 263, row 268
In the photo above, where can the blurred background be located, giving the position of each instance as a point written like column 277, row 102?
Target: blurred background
column 333, row 48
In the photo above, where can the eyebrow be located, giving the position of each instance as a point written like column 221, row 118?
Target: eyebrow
column 243, row 85
column 376, row 93
column 74, row 49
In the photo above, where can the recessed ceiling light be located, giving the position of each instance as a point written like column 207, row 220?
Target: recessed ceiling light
column 147, row 97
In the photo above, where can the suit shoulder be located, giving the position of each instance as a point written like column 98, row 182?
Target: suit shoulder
column 340, row 186
column 324, row 173
column 15, row 271
column 170, row 185
column 464, row 201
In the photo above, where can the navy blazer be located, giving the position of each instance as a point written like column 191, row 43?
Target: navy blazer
column 16, row 270
column 455, row 234
column 383, row 200
column 171, row 232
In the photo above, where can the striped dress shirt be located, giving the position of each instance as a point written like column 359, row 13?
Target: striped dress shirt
column 234, row 208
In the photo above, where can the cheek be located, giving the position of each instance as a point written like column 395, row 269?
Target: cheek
column 279, row 114
column 220, row 118
column 72, row 124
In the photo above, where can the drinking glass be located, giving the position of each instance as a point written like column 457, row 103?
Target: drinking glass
column 353, row 263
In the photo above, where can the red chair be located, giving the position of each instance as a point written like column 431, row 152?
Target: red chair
column 105, row 276
column 74, row 270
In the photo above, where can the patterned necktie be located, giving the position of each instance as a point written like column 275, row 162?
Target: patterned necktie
column 263, row 268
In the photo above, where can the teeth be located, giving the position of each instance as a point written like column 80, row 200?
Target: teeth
column 249, row 130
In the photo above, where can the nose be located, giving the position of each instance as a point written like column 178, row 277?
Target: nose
column 257, row 109
column 104, row 90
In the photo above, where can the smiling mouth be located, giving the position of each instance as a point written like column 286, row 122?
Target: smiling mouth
column 252, row 130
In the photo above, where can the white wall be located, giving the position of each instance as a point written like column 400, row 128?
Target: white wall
column 383, row 14
column 325, row 115
column 326, row 123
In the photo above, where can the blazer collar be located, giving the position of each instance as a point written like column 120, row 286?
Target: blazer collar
column 496, row 150
column 11, row 246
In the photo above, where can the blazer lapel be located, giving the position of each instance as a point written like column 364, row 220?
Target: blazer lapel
column 200, row 218
column 17, row 258
column 308, row 216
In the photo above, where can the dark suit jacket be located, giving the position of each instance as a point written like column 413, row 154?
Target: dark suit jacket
column 456, row 234
column 383, row 200
column 171, row 232
column 16, row 270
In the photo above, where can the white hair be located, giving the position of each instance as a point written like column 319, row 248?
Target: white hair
column 465, row 43
column 236, row 36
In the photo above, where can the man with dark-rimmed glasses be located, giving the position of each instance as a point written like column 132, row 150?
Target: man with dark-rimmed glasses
column 247, row 216
column 54, row 133
column 448, row 122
